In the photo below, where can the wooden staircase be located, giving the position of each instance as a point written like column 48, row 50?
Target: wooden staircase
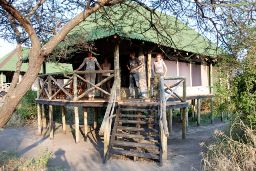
column 136, row 133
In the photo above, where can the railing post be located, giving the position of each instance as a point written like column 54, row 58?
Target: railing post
column 76, row 111
column 117, row 71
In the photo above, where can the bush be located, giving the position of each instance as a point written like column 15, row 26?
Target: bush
column 27, row 107
column 233, row 152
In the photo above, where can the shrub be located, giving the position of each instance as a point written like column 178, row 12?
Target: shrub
column 27, row 107
column 231, row 152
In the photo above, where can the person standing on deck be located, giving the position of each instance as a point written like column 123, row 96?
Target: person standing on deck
column 134, row 66
column 106, row 66
column 159, row 69
column 90, row 63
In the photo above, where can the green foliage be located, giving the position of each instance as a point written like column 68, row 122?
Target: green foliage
column 27, row 107
column 245, row 90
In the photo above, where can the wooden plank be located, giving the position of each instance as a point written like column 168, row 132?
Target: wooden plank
column 61, row 88
column 77, row 72
column 137, row 136
column 77, row 124
column 75, row 87
column 63, row 116
column 126, row 128
column 132, row 122
column 133, row 116
column 131, row 153
column 85, row 122
column 134, row 144
column 51, row 121
column 137, row 110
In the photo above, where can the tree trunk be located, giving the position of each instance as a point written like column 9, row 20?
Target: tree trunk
column 13, row 97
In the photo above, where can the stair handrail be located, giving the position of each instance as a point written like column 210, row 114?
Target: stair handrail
column 166, row 92
column 109, row 111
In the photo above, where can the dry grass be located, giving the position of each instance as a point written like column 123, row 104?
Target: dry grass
column 11, row 161
column 233, row 152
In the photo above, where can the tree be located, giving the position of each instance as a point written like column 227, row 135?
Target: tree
column 27, row 27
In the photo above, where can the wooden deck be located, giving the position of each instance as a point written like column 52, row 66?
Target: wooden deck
column 100, row 102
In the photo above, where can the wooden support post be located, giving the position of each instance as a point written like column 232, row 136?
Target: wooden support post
column 51, row 121
column 43, row 117
column 211, row 106
column 198, row 109
column 170, row 121
column 39, row 119
column 183, row 123
column 164, row 144
column 193, row 109
column 186, row 117
column 106, row 138
column 95, row 118
column 77, row 124
column 149, row 69
column 63, row 115
column 117, row 71
column 85, row 123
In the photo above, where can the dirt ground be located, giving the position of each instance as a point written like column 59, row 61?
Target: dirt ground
column 183, row 155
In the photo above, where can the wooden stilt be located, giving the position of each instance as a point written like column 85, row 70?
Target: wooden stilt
column 186, row 117
column 77, row 124
column 43, row 117
column 183, row 110
column 39, row 119
column 211, row 106
column 85, row 122
column 198, row 106
column 170, row 121
column 117, row 71
column 95, row 118
column 193, row 109
column 164, row 146
column 63, row 114
column 106, row 139
column 51, row 121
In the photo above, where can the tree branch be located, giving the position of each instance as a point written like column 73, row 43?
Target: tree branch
column 33, row 10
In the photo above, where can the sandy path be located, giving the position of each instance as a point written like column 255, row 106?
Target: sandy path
column 183, row 155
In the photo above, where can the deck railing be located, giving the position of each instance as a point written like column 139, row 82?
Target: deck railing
column 167, row 92
column 74, row 87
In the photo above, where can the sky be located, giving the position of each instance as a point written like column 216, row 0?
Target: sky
column 5, row 47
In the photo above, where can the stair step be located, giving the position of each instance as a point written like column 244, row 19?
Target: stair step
column 132, row 121
column 126, row 128
column 132, row 116
column 137, row 110
column 125, row 135
column 137, row 154
column 135, row 145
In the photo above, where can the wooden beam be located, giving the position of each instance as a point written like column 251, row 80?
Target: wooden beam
column 39, row 119
column 77, row 124
column 211, row 106
column 117, row 71
column 198, row 109
column 193, row 109
column 63, row 114
column 85, row 122
column 51, row 121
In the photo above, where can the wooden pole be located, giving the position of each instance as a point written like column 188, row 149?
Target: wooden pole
column 211, row 105
column 43, row 116
column 198, row 105
column 85, row 123
column 149, row 69
column 63, row 114
column 193, row 109
column 51, row 121
column 106, row 138
column 117, row 71
column 95, row 118
column 184, row 123
column 77, row 124
column 186, row 117
column 170, row 121
column 39, row 119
